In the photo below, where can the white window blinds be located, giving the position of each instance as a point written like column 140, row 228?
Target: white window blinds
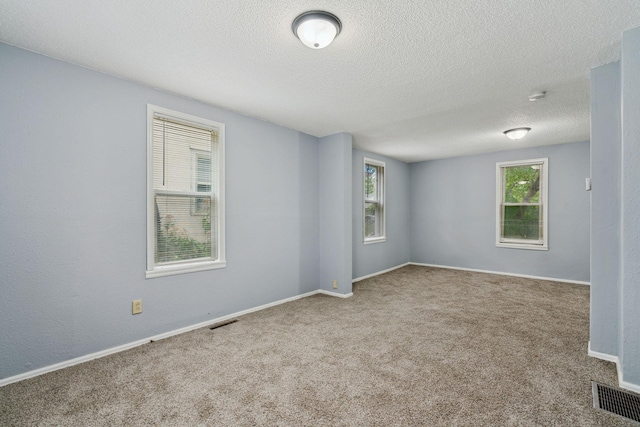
column 185, row 209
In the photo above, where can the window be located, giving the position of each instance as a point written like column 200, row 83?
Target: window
column 185, row 193
column 374, row 223
column 521, row 204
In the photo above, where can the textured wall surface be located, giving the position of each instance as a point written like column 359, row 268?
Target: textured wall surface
column 615, row 297
column 630, row 297
column 605, row 208
column 394, row 251
column 335, row 212
column 73, row 215
column 453, row 214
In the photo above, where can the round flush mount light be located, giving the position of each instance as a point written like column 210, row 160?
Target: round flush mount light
column 535, row 96
column 316, row 29
column 516, row 133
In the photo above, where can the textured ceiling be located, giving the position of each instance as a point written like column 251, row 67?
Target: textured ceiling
column 414, row 80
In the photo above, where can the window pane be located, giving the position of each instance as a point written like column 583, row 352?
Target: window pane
column 522, row 184
column 173, row 144
column 521, row 222
column 179, row 235
column 371, row 183
column 370, row 219
column 203, row 169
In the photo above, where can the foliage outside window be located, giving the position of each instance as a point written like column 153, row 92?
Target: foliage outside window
column 374, row 194
column 521, row 213
column 185, row 202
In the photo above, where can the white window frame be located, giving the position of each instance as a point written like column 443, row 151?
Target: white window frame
column 541, row 244
column 187, row 266
column 381, row 188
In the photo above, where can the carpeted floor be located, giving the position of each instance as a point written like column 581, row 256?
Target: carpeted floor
column 417, row 346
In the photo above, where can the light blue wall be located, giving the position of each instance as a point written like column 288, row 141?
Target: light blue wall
column 335, row 212
column 630, row 295
column 615, row 239
column 605, row 208
column 452, row 214
column 368, row 259
column 73, row 220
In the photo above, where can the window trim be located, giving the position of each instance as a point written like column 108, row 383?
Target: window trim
column 382, row 191
column 187, row 266
column 544, row 205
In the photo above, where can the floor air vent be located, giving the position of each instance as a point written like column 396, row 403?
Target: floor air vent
column 616, row 401
column 221, row 324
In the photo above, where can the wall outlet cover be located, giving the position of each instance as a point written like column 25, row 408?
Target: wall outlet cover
column 136, row 306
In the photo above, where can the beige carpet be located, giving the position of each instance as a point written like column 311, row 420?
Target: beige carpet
column 417, row 346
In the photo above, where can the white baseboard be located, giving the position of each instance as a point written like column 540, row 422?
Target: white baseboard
column 615, row 359
column 603, row 356
column 71, row 362
column 103, row 353
column 334, row 294
column 501, row 273
column 357, row 279
column 475, row 270
column 629, row 386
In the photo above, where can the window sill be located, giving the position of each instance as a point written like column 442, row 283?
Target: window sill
column 373, row 240
column 522, row 246
column 171, row 270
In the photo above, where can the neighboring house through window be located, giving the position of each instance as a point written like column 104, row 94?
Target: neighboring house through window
column 185, row 193
column 521, row 204
column 373, row 204
column 201, row 181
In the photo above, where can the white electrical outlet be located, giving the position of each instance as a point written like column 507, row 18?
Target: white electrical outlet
column 136, row 306
column 335, row 284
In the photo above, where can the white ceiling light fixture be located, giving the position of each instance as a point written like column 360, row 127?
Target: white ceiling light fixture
column 316, row 29
column 535, row 96
column 516, row 133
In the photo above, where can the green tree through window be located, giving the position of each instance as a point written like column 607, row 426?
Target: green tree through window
column 374, row 224
column 521, row 209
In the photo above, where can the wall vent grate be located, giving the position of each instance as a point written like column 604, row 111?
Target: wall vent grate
column 221, row 324
column 616, row 401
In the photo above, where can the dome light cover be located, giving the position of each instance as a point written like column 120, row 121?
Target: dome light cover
column 316, row 29
column 516, row 133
